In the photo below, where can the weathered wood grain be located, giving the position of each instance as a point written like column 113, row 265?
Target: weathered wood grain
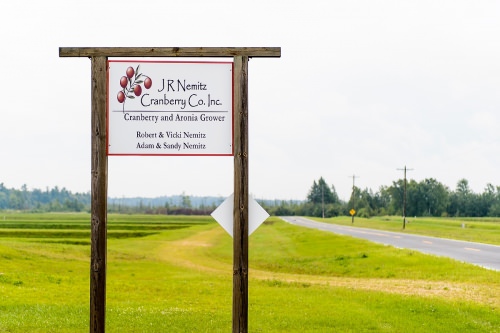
column 169, row 51
column 240, row 208
column 99, row 189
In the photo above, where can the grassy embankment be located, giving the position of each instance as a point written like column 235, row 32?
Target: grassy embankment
column 483, row 230
column 174, row 274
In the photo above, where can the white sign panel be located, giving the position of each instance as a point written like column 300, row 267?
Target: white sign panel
column 170, row 108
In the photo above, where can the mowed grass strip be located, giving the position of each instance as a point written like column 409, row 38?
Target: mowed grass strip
column 77, row 226
column 301, row 280
column 482, row 230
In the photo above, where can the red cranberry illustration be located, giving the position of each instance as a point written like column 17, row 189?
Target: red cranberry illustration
column 148, row 83
column 137, row 90
column 131, row 83
column 130, row 72
column 121, row 97
column 123, row 81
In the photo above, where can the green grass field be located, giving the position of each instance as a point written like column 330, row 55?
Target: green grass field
column 483, row 230
column 174, row 274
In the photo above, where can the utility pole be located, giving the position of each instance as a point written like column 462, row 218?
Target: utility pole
column 404, row 196
column 323, row 201
column 353, row 210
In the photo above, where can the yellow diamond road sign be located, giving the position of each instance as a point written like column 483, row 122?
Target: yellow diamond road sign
column 352, row 211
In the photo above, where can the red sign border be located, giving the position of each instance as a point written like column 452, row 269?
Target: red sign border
column 175, row 62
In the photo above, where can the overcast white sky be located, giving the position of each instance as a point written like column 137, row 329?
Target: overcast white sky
column 362, row 88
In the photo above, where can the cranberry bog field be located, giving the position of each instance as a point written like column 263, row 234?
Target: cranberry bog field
column 174, row 274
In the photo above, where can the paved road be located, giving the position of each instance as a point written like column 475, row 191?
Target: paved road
column 483, row 255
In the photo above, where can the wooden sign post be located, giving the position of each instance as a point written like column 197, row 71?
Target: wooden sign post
column 240, row 210
column 99, row 166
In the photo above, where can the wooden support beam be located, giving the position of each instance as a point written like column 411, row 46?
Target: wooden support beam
column 99, row 194
column 240, row 208
column 216, row 52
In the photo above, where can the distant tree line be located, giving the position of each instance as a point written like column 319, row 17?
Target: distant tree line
column 175, row 205
column 62, row 200
column 48, row 200
column 425, row 198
